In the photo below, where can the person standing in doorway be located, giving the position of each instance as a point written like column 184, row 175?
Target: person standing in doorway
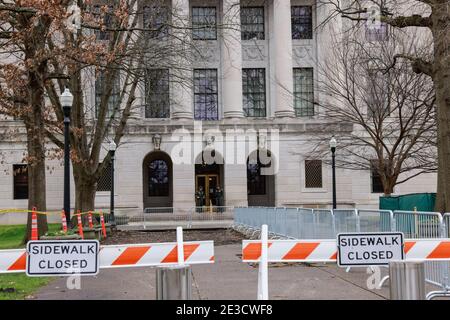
column 200, row 199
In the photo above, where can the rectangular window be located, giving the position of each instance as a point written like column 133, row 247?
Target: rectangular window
column 252, row 23
column 20, row 173
column 376, row 182
column 105, row 19
column 204, row 23
column 378, row 94
column 205, row 94
column 156, row 20
column 301, row 17
column 313, row 174
column 114, row 97
column 104, row 182
column 157, row 103
column 254, row 92
column 304, row 92
column 376, row 32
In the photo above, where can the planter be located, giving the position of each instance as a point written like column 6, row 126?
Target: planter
column 99, row 234
column 66, row 237
column 89, row 233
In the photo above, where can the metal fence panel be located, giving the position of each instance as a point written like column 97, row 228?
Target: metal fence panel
column 375, row 220
column 418, row 224
column 323, row 224
column 346, row 220
column 292, row 222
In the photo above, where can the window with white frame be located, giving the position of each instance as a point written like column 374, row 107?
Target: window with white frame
column 304, row 92
column 157, row 99
column 378, row 94
column 254, row 92
column 252, row 23
column 101, row 93
column 302, row 23
column 204, row 23
column 206, row 106
column 156, row 21
column 313, row 174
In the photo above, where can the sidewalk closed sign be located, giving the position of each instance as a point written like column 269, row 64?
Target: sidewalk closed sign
column 369, row 249
column 59, row 258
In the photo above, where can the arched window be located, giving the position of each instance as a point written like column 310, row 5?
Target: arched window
column 158, row 178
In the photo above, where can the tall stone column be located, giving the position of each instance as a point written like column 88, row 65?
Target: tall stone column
column 181, row 76
column 232, row 60
column 282, row 41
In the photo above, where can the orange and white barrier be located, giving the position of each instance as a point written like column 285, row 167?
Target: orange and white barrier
column 264, row 251
column 326, row 250
column 130, row 255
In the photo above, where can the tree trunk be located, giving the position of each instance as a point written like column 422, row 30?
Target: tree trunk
column 441, row 77
column 85, row 189
column 36, row 156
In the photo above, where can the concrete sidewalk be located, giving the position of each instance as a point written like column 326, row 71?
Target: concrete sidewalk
column 227, row 279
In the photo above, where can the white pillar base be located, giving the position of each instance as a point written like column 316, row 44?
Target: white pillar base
column 233, row 114
column 182, row 115
column 285, row 114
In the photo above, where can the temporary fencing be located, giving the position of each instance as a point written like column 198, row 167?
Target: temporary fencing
column 264, row 251
column 35, row 213
column 304, row 223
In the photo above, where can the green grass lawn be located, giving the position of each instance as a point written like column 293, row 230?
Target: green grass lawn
column 18, row 286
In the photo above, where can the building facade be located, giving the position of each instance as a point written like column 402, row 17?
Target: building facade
column 240, row 135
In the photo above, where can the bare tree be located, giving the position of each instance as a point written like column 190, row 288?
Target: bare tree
column 23, row 32
column 433, row 17
column 108, row 62
column 390, row 107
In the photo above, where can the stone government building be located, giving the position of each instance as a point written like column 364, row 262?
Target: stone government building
column 259, row 80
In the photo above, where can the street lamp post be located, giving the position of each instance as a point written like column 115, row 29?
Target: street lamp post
column 112, row 150
column 333, row 144
column 66, row 100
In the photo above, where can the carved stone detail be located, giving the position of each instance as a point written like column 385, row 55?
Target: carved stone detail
column 253, row 52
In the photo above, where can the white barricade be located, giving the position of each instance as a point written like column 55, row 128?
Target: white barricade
column 325, row 250
column 130, row 255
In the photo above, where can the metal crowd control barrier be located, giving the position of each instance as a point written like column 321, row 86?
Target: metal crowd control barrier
column 302, row 223
column 264, row 251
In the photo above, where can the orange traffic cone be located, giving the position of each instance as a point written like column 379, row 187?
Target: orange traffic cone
column 91, row 225
column 80, row 226
column 102, row 221
column 34, row 225
column 64, row 221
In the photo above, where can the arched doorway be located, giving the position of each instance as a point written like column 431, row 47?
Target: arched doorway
column 157, row 175
column 209, row 180
column 260, row 179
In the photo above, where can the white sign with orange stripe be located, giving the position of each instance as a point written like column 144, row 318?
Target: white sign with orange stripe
column 127, row 255
column 326, row 250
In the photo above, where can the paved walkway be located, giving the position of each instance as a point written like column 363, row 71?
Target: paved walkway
column 227, row 279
